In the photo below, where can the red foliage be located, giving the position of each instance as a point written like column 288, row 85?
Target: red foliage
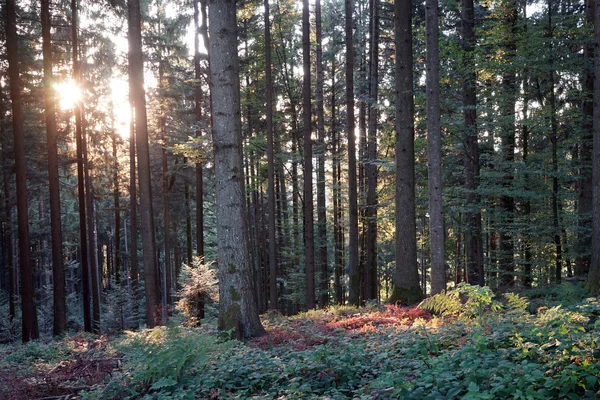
column 393, row 315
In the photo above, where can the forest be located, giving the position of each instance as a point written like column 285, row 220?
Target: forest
column 300, row 199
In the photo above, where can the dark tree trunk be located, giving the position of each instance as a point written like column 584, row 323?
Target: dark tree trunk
column 29, row 327
column 117, row 205
column 91, row 233
column 58, row 271
column 271, row 165
column 337, row 219
column 434, row 150
column 237, row 307
column 593, row 280
column 554, row 141
column 136, row 71
column 309, row 241
column 201, row 31
column 321, row 205
column 507, row 113
column 473, row 241
column 406, row 274
column 584, row 188
column 134, row 272
column 527, row 262
column 83, row 232
column 353, row 267
column 8, row 232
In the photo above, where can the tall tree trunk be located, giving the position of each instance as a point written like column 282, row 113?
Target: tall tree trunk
column 321, row 205
column 406, row 274
column 309, row 241
column 507, row 113
column 434, row 151
column 353, row 267
column 201, row 31
column 371, row 281
column 80, row 143
column 473, row 232
column 91, row 232
column 554, row 141
column 136, row 71
column 584, row 187
column 271, row 165
column 134, row 272
column 237, row 308
column 117, row 205
column 527, row 262
column 58, row 271
column 8, row 232
column 593, row 280
column 29, row 329
column 337, row 227
column 162, row 126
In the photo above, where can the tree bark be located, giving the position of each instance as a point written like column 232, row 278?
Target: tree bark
column 237, row 307
column 321, row 204
column 593, row 280
column 371, row 281
column 29, row 329
column 473, row 232
column 434, row 151
column 136, row 71
column 83, row 233
column 134, row 272
column 271, row 165
column 584, row 192
column 353, row 267
column 309, row 241
column 58, row 271
column 406, row 275
column 507, row 113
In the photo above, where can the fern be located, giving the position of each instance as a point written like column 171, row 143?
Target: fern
column 516, row 302
column 442, row 304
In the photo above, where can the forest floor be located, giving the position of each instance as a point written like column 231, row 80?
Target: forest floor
column 469, row 344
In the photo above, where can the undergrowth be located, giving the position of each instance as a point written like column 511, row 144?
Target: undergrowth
column 481, row 346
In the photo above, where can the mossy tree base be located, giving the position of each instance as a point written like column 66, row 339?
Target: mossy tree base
column 406, row 297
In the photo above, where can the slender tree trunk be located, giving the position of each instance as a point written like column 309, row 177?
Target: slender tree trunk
column 162, row 126
column 237, row 308
column 58, row 271
column 406, row 275
column 371, row 281
column 133, row 216
column 507, row 113
column 91, row 232
column 337, row 228
column 584, row 192
column 201, row 30
column 271, row 165
column 8, row 232
column 434, row 151
column 473, row 232
column 593, row 280
column 554, row 141
column 29, row 327
column 309, row 241
column 80, row 143
column 117, row 205
column 353, row 267
column 136, row 61
column 321, row 205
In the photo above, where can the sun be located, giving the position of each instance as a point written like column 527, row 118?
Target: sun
column 68, row 94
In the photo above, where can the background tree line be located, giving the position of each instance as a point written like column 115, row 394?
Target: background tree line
column 387, row 151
